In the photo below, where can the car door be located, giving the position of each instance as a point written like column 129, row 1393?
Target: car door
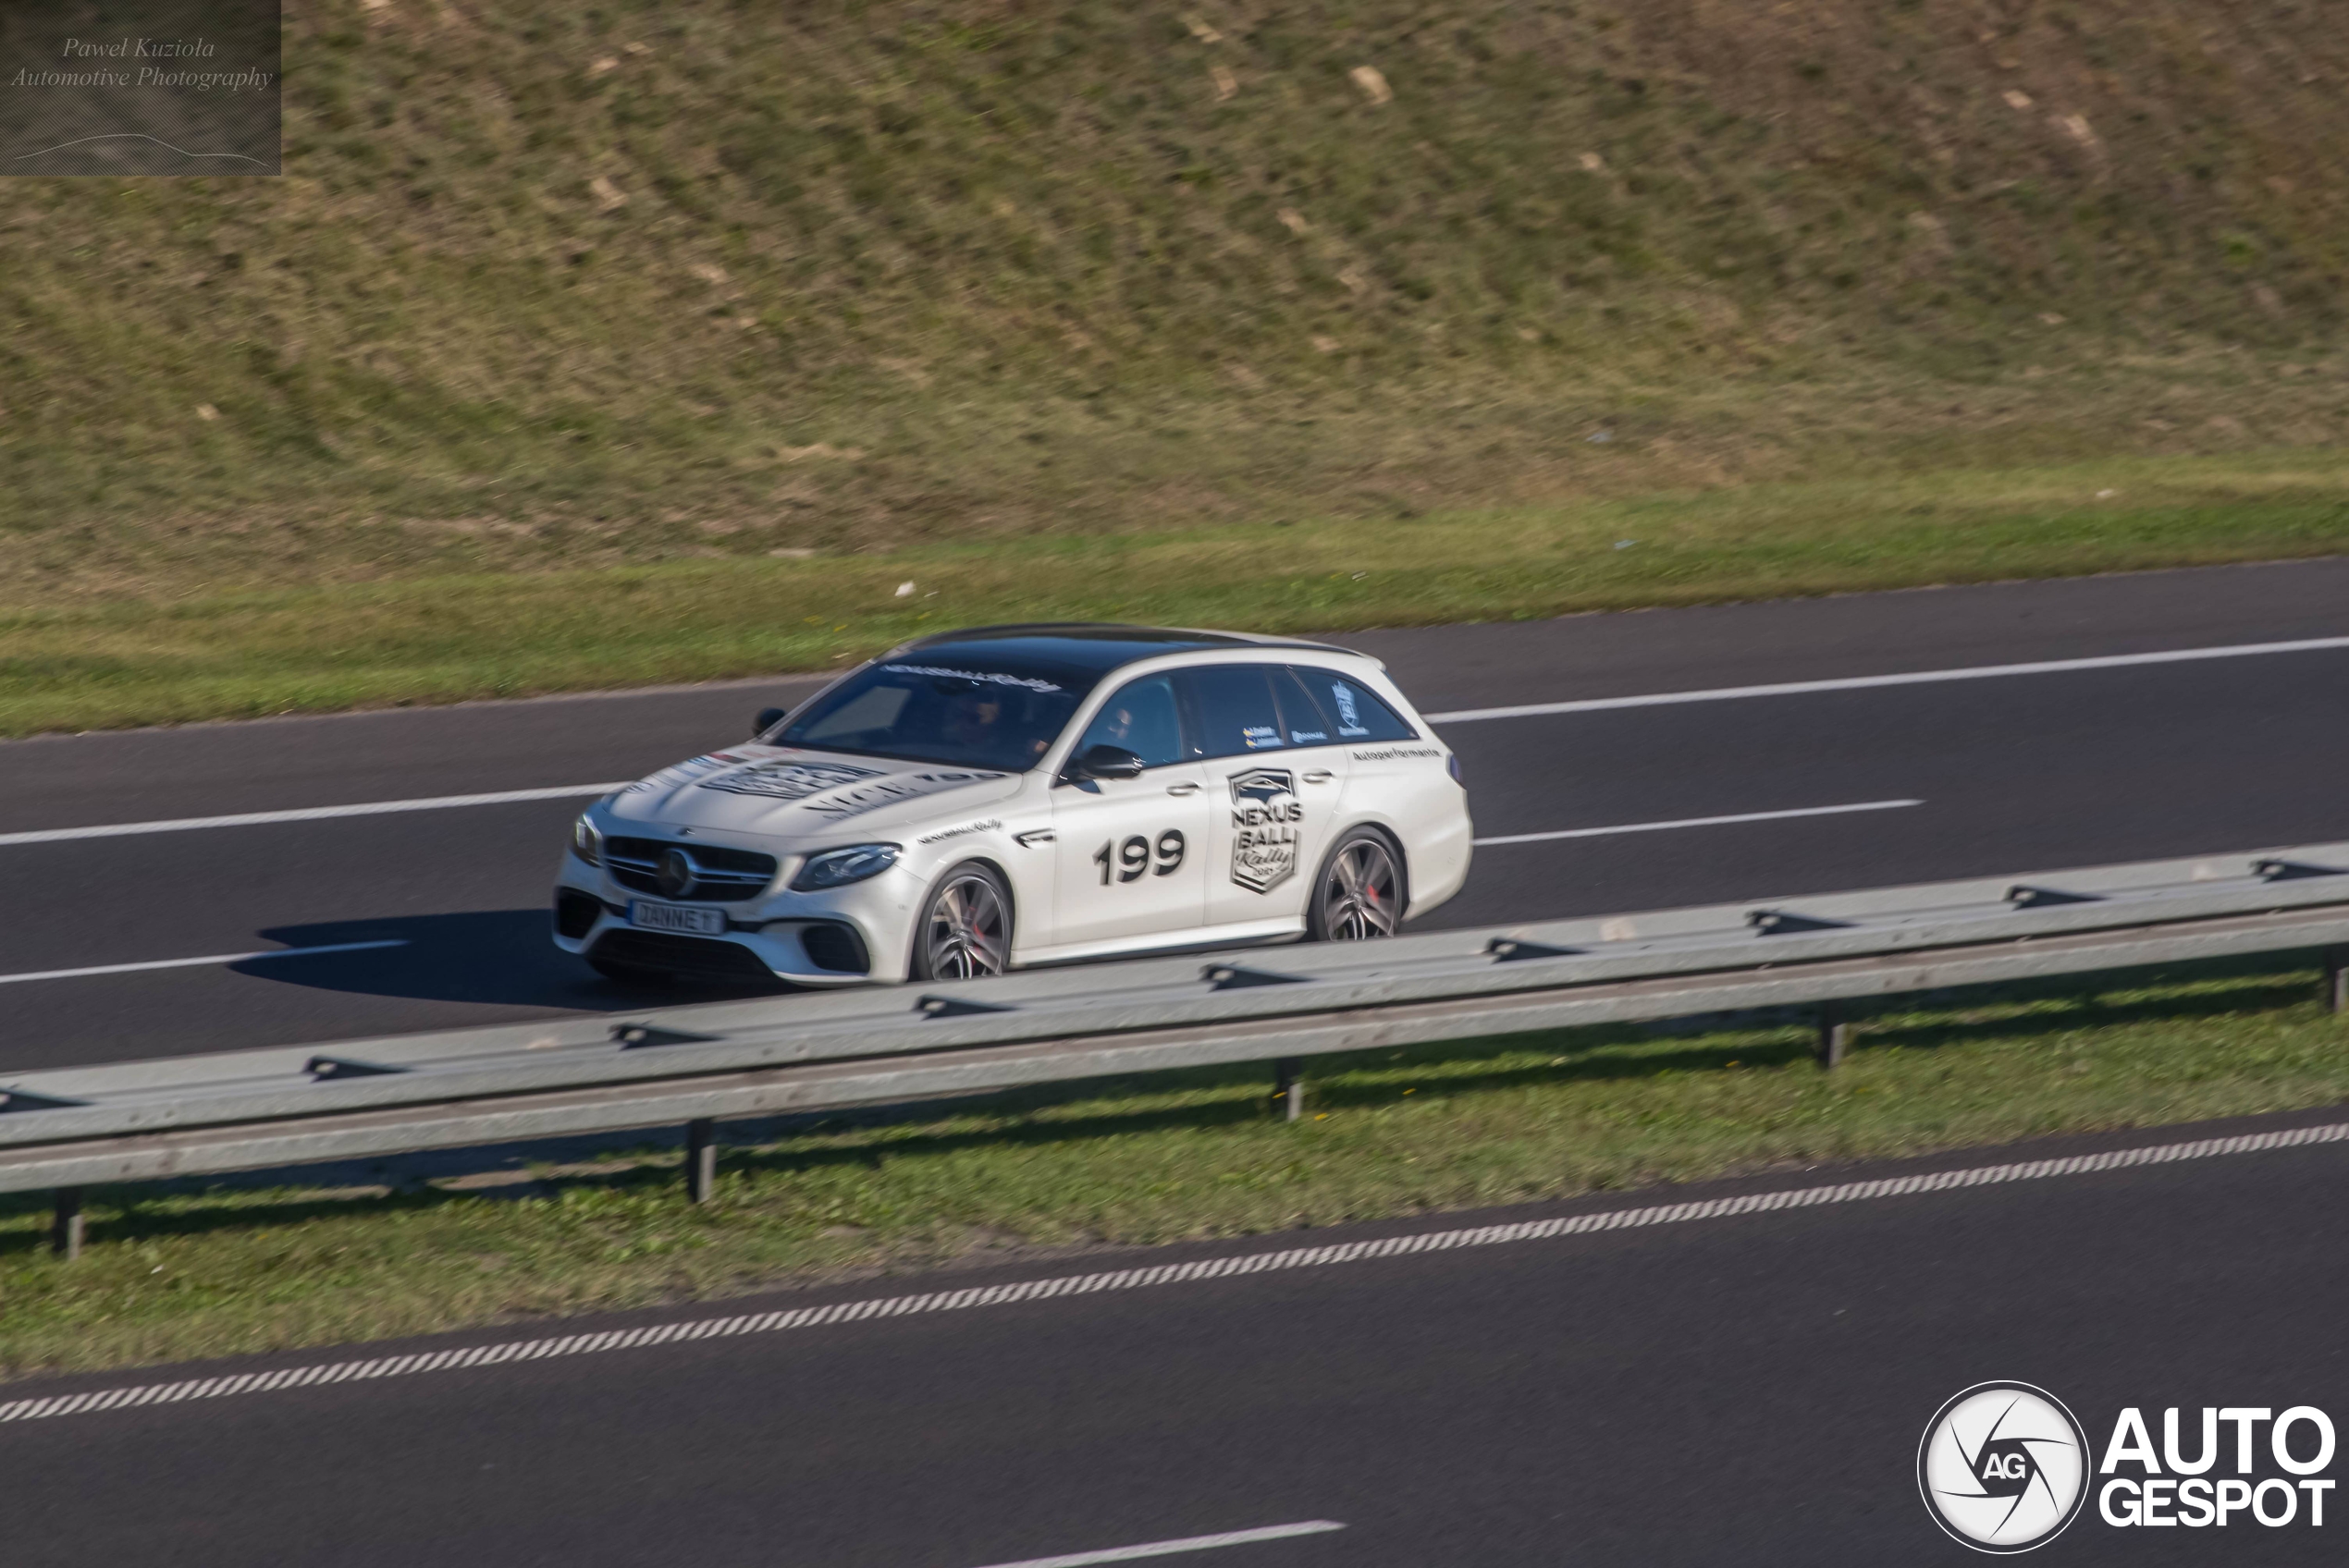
column 1273, row 779
column 1129, row 852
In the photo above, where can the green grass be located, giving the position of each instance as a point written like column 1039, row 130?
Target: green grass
column 187, row 1272
column 437, row 638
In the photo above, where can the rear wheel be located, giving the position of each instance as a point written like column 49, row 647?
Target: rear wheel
column 1361, row 892
column 965, row 929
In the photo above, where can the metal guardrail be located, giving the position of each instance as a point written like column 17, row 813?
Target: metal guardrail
column 70, row 1128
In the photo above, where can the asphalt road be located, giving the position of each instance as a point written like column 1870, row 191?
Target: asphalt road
column 1745, row 1390
column 2014, row 774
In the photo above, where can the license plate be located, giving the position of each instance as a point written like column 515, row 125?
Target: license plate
column 648, row 916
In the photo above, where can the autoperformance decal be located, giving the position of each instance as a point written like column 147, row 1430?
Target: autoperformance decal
column 1390, row 753
column 844, row 804
column 788, row 780
column 1265, row 812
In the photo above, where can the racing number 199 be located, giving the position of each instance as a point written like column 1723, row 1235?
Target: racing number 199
column 1138, row 855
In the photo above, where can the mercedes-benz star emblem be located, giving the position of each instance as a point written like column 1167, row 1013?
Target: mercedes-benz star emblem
column 677, row 873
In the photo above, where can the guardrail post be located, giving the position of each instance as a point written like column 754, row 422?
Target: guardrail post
column 701, row 1159
column 2337, row 980
column 65, row 1227
column 1288, row 1087
column 1835, row 1037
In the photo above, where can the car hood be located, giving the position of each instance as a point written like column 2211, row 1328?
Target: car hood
column 786, row 792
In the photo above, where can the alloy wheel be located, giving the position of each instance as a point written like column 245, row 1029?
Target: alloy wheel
column 967, row 934
column 1358, row 893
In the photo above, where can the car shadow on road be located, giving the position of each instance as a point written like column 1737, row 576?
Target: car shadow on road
column 502, row 956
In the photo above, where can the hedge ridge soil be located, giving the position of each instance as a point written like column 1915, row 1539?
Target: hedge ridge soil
column 548, row 287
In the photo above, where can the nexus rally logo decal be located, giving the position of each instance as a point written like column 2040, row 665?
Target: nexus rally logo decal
column 1265, row 812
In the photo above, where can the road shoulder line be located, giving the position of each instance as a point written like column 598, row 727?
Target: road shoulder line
column 1229, row 1266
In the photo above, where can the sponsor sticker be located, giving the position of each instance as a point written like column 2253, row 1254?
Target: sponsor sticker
column 989, row 826
column 1265, row 814
column 841, row 804
column 991, row 677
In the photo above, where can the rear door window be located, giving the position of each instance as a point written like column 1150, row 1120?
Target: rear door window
column 1302, row 721
column 1357, row 713
column 1234, row 707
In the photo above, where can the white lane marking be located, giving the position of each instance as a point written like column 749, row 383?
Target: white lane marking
column 1228, row 1267
column 1694, row 822
column 197, row 963
column 306, row 814
column 1864, row 682
column 1188, row 1543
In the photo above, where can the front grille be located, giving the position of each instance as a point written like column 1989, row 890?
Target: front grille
column 575, row 913
column 720, row 875
column 689, row 957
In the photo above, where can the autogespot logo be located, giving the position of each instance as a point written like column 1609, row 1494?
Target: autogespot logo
column 2003, row 1467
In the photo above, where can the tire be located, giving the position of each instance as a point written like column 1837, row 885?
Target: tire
column 1362, row 891
column 964, row 931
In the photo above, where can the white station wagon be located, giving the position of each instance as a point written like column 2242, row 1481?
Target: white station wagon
column 1014, row 795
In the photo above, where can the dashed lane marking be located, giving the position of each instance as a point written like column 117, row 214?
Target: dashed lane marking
column 1188, row 1543
column 305, row 814
column 1868, row 682
column 1694, row 822
column 206, row 960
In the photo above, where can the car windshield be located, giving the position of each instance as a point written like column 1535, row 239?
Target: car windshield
column 988, row 716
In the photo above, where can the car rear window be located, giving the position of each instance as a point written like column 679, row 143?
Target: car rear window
column 1232, row 703
column 1358, row 714
column 1302, row 721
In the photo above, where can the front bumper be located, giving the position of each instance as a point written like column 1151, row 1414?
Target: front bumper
column 839, row 938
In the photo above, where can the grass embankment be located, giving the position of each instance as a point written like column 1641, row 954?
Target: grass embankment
column 442, row 639
column 172, row 1275
column 564, row 321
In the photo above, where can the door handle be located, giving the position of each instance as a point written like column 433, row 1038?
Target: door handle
column 1318, row 776
column 1182, row 788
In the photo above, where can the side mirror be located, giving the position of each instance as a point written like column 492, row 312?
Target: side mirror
column 1106, row 761
column 768, row 719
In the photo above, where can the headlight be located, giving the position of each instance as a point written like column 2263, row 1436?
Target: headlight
column 835, row 868
column 586, row 842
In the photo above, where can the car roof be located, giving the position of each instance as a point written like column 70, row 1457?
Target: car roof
column 1092, row 647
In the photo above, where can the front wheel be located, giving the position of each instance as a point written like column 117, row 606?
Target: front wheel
column 966, row 928
column 1361, row 892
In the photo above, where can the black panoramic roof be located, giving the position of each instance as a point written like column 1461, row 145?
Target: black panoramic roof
column 1089, row 646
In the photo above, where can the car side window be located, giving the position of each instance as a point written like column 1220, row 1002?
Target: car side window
column 1233, row 705
column 1142, row 718
column 1359, row 714
column 1302, row 721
